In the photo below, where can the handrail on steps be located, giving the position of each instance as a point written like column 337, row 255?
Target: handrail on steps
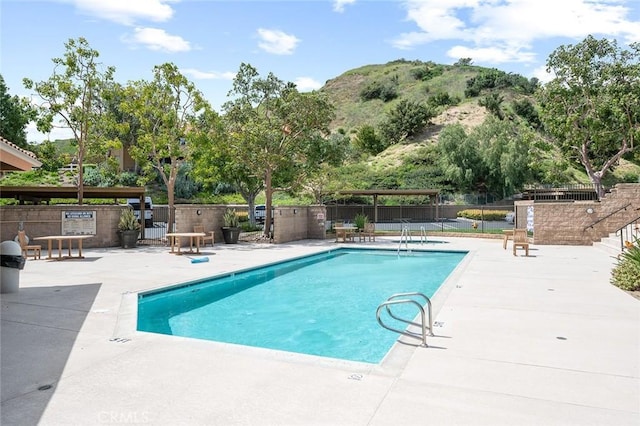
column 606, row 217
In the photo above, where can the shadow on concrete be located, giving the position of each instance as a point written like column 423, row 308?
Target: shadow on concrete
column 39, row 328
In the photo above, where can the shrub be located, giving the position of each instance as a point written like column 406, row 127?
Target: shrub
column 478, row 214
column 385, row 91
column 230, row 218
column 361, row 220
column 626, row 275
column 368, row 141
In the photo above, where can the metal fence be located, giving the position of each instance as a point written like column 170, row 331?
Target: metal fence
column 424, row 217
column 576, row 192
column 156, row 234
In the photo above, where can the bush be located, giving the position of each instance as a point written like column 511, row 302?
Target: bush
column 626, row 275
column 477, row 214
column 385, row 91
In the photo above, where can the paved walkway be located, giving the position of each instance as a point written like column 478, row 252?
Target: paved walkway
column 543, row 340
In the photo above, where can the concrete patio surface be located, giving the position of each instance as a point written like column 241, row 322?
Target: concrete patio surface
column 538, row 340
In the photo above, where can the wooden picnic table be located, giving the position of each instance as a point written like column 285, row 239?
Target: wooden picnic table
column 174, row 238
column 60, row 239
column 345, row 232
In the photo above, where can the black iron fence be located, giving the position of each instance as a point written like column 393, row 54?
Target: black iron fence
column 156, row 233
column 444, row 218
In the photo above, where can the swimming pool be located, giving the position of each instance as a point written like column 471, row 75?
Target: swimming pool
column 324, row 304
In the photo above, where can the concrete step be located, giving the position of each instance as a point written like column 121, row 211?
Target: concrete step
column 610, row 245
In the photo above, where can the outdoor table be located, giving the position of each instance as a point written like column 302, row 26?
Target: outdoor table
column 174, row 238
column 60, row 239
column 343, row 231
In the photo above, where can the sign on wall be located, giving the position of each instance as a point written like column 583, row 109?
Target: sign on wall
column 530, row 218
column 79, row 222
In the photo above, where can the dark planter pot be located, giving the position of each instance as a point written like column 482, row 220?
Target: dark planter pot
column 129, row 238
column 230, row 235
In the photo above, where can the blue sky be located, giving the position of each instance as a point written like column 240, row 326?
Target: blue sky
column 305, row 42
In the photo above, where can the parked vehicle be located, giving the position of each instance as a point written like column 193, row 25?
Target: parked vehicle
column 260, row 213
column 510, row 217
column 148, row 210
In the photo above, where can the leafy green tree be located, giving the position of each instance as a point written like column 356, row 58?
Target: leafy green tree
column 407, row 119
column 461, row 158
column 505, row 150
column 167, row 110
column 525, row 109
column 592, row 106
column 493, row 158
column 48, row 154
column 215, row 161
column 15, row 114
column 279, row 133
column 73, row 95
column 368, row 141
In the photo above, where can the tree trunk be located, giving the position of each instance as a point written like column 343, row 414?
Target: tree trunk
column 268, row 190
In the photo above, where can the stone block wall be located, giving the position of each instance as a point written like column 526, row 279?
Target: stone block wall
column 292, row 223
column 42, row 220
column 208, row 215
column 582, row 222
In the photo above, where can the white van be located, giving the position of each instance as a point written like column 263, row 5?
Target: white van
column 148, row 210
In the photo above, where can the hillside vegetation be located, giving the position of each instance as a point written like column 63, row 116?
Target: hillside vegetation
column 460, row 94
column 394, row 115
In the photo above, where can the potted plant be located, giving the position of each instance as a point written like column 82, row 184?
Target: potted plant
column 360, row 221
column 128, row 228
column 231, row 229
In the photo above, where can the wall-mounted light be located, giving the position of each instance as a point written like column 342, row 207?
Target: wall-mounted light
column 198, row 212
column 589, row 210
column 295, row 211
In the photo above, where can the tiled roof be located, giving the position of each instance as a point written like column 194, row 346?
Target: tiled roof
column 14, row 146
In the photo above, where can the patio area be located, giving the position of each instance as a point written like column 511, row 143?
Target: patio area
column 538, row 340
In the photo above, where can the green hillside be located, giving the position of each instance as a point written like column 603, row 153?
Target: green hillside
column 419, row 82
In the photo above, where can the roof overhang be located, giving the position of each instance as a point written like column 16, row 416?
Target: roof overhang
column 14, row 158
column 45, row 193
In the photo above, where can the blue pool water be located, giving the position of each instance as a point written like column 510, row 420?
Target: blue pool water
column 323, row 304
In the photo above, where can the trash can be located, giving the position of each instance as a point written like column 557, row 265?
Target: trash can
column 12, row 262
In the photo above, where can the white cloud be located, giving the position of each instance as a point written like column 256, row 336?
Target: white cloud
column 127, row 12
column 505, row 30
column 493, row 54
column 541, row 74
column 277, row 42
column 33, row 135
column 158, row 39
column 307, row 84
column 338, row 5
column 208, row 75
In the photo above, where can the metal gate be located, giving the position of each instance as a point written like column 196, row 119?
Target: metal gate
column 156, row 234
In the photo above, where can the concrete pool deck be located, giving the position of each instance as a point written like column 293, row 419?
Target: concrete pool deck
column 543, row 340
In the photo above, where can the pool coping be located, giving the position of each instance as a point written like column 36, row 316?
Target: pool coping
column 392, row 363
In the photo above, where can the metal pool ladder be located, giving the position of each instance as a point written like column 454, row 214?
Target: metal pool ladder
column 424, row 325
column 406, row 237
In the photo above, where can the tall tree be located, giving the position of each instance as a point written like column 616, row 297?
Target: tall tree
column 166, row 111
column 279, row 133
column 15, row 114
column 73, row 95
column 215, row 161
column 592, row 106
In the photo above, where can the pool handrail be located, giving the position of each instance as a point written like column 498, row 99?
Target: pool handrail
column 393, row 300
